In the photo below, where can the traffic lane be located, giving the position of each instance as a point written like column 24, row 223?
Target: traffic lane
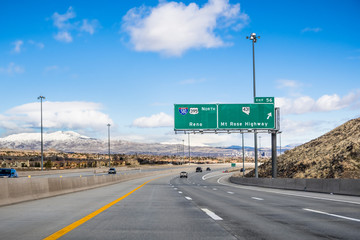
column 41, row 218
column 273, row 218
column 156, row 211
column 337, row 204
column 98, row 172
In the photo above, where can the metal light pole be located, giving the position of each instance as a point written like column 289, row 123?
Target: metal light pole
column 189, row 147
column 260, row 146
column 254, row 38
column 42, row 139
column 280, row 141
column 183, row 151
column 109, row 142
column 243, row 153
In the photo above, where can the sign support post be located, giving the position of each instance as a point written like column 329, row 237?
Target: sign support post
column 273, row 154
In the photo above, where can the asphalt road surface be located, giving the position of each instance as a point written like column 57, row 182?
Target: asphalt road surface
column 202, row 206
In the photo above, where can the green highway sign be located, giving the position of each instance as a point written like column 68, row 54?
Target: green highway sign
column 195, row 116
column 246, row 116
column 264, row 100
column 224, row 116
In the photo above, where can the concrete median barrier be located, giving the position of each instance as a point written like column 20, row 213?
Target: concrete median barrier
column 336, row 186
column 24, row 189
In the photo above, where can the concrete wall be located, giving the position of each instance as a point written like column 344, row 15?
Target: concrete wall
column 336, row 186
column 14, row 190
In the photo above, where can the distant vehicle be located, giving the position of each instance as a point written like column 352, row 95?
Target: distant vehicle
column 8, row 172
column 208, row 169
column 183, row 175
column 242, row 169
column 198, row 169
column 112, row 171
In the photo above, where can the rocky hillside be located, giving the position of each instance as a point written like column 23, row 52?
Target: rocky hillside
column 336, row 154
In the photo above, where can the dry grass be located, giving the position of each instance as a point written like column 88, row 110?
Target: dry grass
column 333, row 155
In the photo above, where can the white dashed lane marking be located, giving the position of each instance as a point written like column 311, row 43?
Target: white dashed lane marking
column 211, row 214
column 256, row 198
column 188, row 198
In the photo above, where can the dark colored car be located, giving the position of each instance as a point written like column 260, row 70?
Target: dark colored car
column 208, row 169
column 112, row 171
column 8, row 172
column 183, row 175
column 198, row 169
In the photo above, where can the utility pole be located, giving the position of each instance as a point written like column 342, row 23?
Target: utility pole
column 42, row 139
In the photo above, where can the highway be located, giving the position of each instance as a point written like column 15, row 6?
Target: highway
column 202, row 206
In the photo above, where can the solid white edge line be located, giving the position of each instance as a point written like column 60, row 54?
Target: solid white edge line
column 289, row 194
column 188, row 198
column 333, row 215
column 205, row 176
column 211, row 214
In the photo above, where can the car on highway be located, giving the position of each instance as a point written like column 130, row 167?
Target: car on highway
column 8, row 172
column 112, row 171
column 198, row 169
column 183, row 175
column 208, row 169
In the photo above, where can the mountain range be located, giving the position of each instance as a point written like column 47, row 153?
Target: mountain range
column 69, row 141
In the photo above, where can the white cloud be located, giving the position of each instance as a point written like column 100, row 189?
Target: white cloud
column 66, row 27
column 308, row 29
column 285, row 83
column 171, row 28
column 61, row 21
column 40, row 45
column 89, row 27
column 325, row 103
column 63, row 37
column 17, row 46
column 11, row 69
column 84, row 116
column 51, row 68
column 156, row 120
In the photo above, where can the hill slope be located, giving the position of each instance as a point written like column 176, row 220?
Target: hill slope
column 336, row 154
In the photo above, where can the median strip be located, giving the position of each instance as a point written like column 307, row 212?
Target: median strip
column 76, row 224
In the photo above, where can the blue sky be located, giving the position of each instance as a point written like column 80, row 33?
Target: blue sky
column 127, row 62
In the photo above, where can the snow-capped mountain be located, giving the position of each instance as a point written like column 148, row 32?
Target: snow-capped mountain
column 69, row 141
column 55, row 136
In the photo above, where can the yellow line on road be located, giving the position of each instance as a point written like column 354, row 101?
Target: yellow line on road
column 76, row 224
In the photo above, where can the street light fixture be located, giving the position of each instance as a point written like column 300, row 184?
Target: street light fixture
column 254, row 38
column 42, row 139
column 109, row 142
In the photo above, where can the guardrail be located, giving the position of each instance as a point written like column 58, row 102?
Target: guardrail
column 335, row 186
